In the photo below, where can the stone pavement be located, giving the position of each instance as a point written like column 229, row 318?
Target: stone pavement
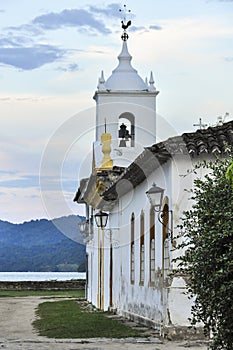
column 99, row 344
column 16, row 332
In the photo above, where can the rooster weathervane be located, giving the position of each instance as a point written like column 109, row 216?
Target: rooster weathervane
column 124, row 23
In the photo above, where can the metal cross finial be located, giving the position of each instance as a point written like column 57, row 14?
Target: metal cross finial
column 125, row 24
column 125, row 12
column 200, row 124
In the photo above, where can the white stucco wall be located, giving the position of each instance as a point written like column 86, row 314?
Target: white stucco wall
column 141, row 300
column 166, row 304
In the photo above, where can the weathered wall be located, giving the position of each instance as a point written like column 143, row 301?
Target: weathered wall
column 43, row 285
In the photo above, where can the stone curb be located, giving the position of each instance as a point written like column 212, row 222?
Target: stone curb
column 85, row 341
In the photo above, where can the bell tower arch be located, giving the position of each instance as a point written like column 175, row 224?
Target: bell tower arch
column 126, row 130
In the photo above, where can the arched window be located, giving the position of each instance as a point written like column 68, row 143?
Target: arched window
column 165, row 243
column 132, row 249
column 152, row 245
column 126, row 130
column 142, row 248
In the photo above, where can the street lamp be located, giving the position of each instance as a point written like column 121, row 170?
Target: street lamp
column 101, row 219
column 82, row 226
column 155, row 196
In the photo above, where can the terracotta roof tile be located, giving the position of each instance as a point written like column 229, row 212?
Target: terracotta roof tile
column 213, row 140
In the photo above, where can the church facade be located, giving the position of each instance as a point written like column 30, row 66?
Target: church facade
column 130, row 259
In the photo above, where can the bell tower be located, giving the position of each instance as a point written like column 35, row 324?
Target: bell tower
column 126, row 106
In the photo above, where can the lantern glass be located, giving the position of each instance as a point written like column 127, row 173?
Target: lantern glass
column 101, row 219
column 82, row 226
column 155, row 196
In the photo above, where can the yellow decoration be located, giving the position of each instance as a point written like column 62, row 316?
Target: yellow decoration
column 107, row 162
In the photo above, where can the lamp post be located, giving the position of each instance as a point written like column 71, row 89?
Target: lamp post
column 101, row 219
column 155, row 196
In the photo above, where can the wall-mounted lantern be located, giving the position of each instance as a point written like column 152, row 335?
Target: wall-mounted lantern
column 155, row 196
column 101, row 219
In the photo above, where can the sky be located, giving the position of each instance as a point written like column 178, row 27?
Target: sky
column 51, row 56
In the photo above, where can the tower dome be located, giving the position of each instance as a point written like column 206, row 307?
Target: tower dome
column 124, row 77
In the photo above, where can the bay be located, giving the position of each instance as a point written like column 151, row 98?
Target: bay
column 41, row 276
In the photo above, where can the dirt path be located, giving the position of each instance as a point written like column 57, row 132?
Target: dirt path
column 16, row 317
column 16, row 332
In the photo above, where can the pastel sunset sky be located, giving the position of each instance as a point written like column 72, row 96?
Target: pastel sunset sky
column 51, row 56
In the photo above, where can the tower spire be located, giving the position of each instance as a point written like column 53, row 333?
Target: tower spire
column 151, row 82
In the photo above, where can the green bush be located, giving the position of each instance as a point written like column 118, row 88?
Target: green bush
column 208, row 260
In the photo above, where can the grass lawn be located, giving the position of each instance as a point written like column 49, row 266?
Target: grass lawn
column 68, row 319
column 47, row 293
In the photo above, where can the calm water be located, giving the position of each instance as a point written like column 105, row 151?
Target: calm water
column 41, row 276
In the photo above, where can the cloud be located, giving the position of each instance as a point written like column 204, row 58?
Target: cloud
column 19, row 48
column 25, row 182
column 23, row 99
column 72, row 67
column 71, row 18
column 9, row 179
column 229, row 59
column 137, row 29
column 112, row 10
column 31, row 199
column 7, row 174
column 28, row 58
column 26, row 28
column 14, row 41
column 144, row 29
column 155, row 27
column 5, row 98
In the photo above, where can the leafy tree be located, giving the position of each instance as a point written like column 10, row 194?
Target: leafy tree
column 208, row 258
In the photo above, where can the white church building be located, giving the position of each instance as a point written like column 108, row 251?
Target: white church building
column 138, row 186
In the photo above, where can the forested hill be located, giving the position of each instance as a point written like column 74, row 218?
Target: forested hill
column 42, row 245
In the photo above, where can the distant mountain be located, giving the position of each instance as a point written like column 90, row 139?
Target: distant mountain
column 42, row 245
